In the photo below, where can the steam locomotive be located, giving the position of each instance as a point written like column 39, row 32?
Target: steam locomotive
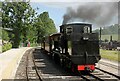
column 74, row 47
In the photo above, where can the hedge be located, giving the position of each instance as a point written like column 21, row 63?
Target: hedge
column 6, row 47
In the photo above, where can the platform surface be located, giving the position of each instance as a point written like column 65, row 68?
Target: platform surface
column 116, row 63
column 110, row 66
column 9, row 62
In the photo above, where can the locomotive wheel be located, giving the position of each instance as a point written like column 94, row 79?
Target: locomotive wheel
column 62, row 63
column 52, row 56
column 56, row 59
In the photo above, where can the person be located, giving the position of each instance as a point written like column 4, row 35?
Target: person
column 28, row 43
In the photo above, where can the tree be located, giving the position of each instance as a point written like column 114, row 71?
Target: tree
column 44, row 26
column 17, row 16
column 20, row 18
column 5, row 35
column 0, row 33
column 113, row 29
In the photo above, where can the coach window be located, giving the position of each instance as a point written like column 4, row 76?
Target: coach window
column 69, row 30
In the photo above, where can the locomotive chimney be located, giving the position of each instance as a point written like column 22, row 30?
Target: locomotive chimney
column 111, row 38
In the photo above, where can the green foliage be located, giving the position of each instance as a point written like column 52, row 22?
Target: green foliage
column 6, row 47
column 107, row 37
column 113, row 29
column 44, row 26
column 20, row 18
column 109, row 54
column 17, row 16
column 0, row 33
column 33, row 44
column 5, row 35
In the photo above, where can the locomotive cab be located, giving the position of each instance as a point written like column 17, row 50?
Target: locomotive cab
column 81, row 44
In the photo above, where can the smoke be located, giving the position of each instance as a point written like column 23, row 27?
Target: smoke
column 98, row 13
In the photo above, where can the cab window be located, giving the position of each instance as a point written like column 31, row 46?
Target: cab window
column 86, row 29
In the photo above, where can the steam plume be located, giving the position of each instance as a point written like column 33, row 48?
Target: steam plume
column 98, row 13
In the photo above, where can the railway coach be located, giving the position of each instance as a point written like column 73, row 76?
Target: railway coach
column 74, row 47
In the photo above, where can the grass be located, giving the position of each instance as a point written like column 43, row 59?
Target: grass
column 114, row 37
column 110, row 54
column 0, row 49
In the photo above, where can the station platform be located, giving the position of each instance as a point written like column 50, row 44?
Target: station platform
column 9, row 61
column 109, row 66
column 114, row 63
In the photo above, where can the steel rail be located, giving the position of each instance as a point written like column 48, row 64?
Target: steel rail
column 36, row 69
column 96, row 77
column 109, row 73
column 85, row 78
column 27, row 68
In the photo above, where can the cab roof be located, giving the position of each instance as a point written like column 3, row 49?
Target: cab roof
column 75, row 24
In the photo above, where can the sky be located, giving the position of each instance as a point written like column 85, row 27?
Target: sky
column 73, row 0
column 57, row 9
column 55, row 13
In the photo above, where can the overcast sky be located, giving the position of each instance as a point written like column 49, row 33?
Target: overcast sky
column 74, row 0
column 57, row 10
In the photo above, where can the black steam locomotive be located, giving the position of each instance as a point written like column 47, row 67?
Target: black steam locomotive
column 75, row 47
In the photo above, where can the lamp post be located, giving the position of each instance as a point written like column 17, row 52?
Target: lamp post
column 100, row 35
column 44, row 42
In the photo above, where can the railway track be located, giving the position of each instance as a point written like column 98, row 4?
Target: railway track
column 100, row 75
column 31, row 68
column 118, row 77
column 33, row 73
column 97, row 76
column 110, row 65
